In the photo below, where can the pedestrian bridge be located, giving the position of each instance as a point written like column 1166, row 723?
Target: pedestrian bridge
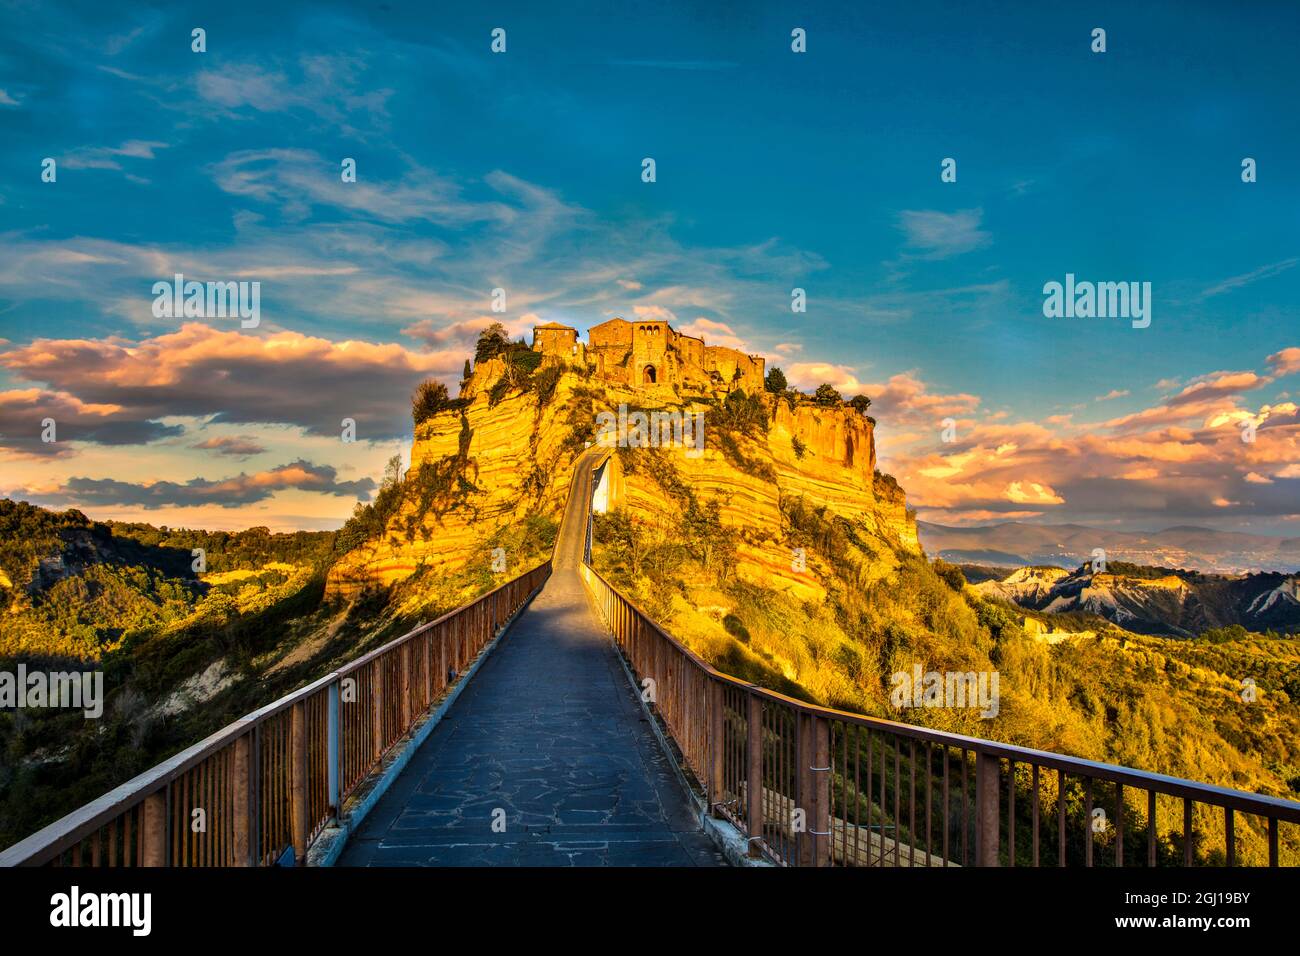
column 551, row 722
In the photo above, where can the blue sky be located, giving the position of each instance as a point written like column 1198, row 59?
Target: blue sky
column 774, row 170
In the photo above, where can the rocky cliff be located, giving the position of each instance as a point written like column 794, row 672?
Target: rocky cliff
column 818, row 456
column 500, row 456
column 484, row 465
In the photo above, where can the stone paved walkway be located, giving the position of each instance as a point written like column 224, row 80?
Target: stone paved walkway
column 550, row 732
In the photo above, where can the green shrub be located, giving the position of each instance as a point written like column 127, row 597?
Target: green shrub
column 827, row 395
column 544, row 382
column 951, row 575
column 492, row 341
column 430, row 398
column 526, row 360
column 736, row 628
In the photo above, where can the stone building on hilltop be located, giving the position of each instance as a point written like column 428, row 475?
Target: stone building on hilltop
column 650, row 354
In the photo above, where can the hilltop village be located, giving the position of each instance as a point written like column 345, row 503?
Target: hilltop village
column 652, row 355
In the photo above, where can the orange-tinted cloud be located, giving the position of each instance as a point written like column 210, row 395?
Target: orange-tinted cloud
column 229, row 376
column 1285, row 362
column 1181, row 458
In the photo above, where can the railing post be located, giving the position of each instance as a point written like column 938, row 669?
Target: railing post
column 814, row 789
column 298, row 781
column 717, row 743
column 657, row 662
column 404, row 689
column 754, row 783
column 333, row 749
column 242, row 803
column 442, row 656
column 426, row 670
column 377, row 707
column 987, row 818
column 155, row 828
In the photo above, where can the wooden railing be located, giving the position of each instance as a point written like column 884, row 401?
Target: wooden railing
column 812, row 786
column 271, row 781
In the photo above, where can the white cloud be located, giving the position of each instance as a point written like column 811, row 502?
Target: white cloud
column 940, row 235
column 716, row 333
column 808, row 375
column 1245, row 279
column 106, row 157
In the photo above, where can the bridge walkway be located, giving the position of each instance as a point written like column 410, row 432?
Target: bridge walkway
column 549, row 738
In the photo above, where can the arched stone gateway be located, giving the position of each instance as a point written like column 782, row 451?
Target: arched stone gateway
column 648, row 376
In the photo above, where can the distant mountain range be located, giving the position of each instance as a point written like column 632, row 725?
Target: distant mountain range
column 1151, row 601
column 1013, row 544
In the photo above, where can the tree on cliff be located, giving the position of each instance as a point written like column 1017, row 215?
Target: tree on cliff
column 826, row 395
column 430, row 398
column 861, row 403
column 492, row 341
column 369, row 520
column 775, row 381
